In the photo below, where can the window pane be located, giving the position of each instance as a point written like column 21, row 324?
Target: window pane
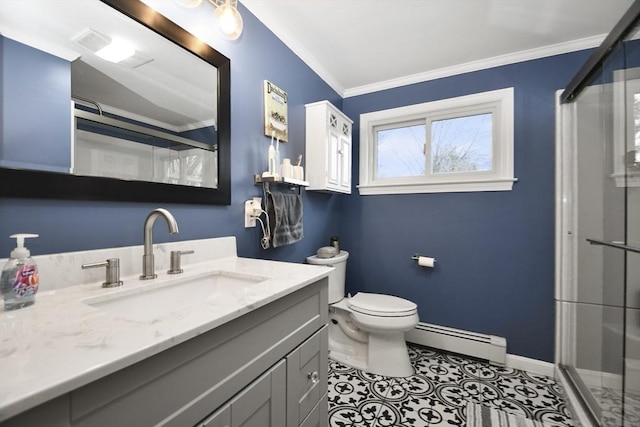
column 400, row 152
column 462, row 144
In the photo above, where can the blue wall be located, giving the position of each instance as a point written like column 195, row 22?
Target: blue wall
column 46, row 90
column 82, row 225
column 495, row 250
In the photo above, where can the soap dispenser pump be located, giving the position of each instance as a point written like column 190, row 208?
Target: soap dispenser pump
column 19, row 280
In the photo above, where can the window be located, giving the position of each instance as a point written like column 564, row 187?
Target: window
column 454, row 145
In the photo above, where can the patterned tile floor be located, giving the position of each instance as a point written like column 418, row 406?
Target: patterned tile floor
column 611, row 403
column 438, row 393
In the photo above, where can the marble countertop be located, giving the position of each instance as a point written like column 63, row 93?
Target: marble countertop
column 62, row 343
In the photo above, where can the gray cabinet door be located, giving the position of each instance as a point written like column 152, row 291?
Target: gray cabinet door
column 221, row 418
column 319, row 416
column 307, row 371
column 260, row 404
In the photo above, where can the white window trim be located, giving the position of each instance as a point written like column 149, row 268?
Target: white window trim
column 500, row 179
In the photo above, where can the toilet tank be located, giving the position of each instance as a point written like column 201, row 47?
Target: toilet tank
column 337, row 276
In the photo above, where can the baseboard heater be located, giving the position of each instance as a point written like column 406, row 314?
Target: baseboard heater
column 488, row 347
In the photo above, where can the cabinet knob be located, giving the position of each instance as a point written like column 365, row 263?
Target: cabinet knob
column 314, row 377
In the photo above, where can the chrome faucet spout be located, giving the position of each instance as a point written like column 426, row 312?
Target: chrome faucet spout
column 148, row 267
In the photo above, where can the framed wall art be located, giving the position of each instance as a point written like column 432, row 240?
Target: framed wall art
column 275, row 112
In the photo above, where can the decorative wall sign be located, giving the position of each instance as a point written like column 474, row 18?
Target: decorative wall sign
column 275, row 112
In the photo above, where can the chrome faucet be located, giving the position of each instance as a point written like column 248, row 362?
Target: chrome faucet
column 148, row 267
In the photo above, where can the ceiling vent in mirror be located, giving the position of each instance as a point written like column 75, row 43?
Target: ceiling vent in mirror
column 109, row 49
column 91, row 40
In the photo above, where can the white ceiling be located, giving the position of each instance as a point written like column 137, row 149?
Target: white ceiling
column 360, row 46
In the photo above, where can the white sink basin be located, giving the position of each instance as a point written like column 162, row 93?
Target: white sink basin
column 156, row 300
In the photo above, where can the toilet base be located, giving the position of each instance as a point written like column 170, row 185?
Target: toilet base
column 382, row 354
column 348, row 360
column 388, row 355
column 342, row 349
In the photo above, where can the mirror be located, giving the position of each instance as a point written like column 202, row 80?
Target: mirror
column 174, row 151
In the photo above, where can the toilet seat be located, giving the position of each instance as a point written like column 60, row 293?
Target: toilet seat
column 381, row 305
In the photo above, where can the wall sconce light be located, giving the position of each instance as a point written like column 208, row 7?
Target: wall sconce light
column 226, row 13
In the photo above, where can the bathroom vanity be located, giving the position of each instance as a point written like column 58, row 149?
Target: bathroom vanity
column 249, row 349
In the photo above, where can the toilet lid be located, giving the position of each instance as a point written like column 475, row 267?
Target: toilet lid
column 381, row 305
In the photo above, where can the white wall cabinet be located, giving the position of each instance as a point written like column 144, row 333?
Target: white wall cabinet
column 328, row 148
column 267, row 368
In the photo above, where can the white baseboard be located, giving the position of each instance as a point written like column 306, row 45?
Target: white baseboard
column 530, row 365
column 459, row 341
column 477, row 345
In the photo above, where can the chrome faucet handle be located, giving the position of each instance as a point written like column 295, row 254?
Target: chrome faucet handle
column 112, row 273
column 176, row 257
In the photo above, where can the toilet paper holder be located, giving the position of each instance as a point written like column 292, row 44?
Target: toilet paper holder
column 424, row 261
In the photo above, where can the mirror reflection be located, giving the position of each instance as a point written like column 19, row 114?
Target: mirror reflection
column 149, row 114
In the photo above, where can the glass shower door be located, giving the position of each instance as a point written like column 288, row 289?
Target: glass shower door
column 599, row 300
column 631, row 97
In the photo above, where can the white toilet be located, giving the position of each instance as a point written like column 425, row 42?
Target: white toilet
column 366, row 331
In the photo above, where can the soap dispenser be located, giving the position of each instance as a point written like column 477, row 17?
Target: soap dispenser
column 19, row 280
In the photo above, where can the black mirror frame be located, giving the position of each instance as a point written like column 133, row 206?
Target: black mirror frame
column 20, row 183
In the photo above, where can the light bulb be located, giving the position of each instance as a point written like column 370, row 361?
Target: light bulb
column 230, row 21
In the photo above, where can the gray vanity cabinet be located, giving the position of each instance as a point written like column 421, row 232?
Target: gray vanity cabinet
column 293, row 393
column 222, row 418
column 256, row 370
column 262, row 403
column 307, row 372
column 319, row 416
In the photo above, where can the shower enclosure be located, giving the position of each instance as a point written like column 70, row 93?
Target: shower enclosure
column 598, row 231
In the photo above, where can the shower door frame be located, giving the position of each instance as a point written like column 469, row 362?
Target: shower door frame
column 566, row 252
column 567, row 238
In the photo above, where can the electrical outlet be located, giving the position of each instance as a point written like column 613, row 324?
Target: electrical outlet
column 257, row 207
column 249, row 218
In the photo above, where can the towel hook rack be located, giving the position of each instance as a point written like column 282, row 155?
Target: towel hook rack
column 267, row 181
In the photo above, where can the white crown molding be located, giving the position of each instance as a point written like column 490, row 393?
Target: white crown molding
column 496, row 61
